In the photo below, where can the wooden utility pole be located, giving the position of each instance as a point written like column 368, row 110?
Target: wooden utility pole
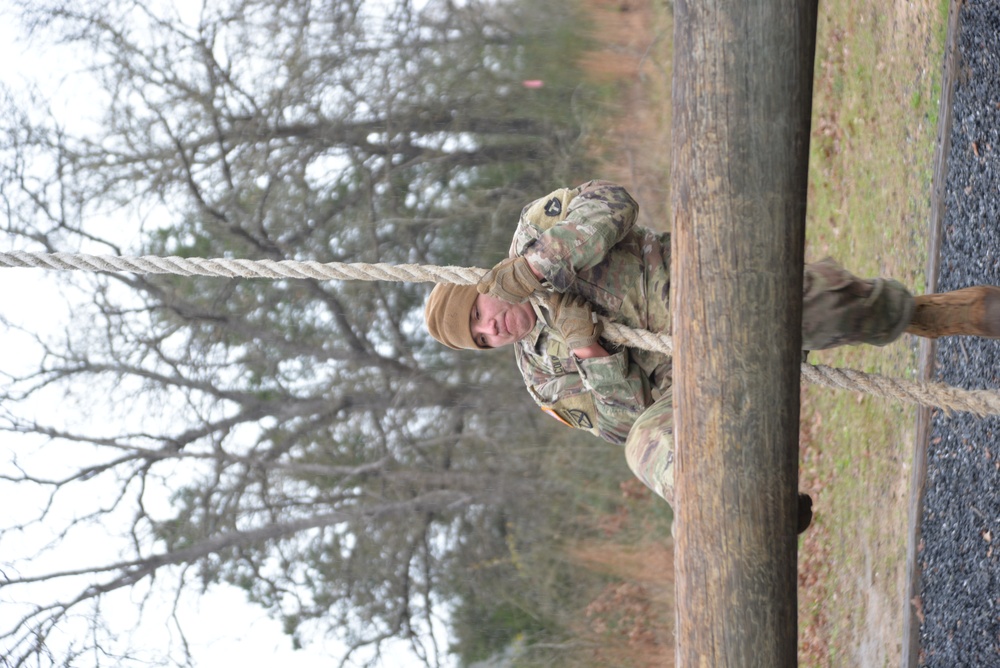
column 742, row 94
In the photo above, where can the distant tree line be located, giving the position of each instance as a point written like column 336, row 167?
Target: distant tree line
column 353, row 477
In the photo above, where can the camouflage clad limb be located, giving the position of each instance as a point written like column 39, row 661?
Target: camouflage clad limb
column 838, row 308
column 649, row 449
column 602, row 395
column 570, row 235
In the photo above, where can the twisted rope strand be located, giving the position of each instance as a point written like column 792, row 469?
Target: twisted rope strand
column 229, row 268
column 978, row 402
column 935, row 395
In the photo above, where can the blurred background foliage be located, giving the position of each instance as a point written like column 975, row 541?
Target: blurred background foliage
column 319, row 451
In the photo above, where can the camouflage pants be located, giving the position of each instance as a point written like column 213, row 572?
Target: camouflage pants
column 838, row 309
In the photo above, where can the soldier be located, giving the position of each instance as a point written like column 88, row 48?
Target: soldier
column 580, row 248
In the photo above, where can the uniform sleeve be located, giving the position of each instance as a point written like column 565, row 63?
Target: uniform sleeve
column 605, row 396
column 596, row 219
column 621, row 393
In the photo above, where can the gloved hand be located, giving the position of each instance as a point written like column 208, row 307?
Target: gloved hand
column 574, row 319
column 510, row 280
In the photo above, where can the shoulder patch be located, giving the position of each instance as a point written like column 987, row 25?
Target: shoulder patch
column 550, row 210
column 580, row 419
column 576, row 411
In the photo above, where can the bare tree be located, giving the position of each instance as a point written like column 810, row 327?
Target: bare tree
column 318, row 451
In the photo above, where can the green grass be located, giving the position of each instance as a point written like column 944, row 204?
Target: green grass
column 877, row 89
column 875, row 111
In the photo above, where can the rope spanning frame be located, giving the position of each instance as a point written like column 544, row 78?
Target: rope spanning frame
column 230, row 268
column 936, row 395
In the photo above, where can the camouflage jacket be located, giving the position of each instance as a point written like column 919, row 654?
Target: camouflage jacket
column 584, row 240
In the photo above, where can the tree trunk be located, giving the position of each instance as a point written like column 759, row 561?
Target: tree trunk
column 742, row 94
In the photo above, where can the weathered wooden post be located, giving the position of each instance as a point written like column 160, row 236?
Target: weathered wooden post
column 742, row 94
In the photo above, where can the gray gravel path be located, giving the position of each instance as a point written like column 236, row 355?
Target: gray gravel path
column 960, row 555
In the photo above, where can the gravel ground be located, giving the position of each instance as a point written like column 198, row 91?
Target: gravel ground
column 960, row 559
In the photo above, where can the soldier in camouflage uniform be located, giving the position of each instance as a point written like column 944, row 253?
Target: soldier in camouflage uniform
column 580, row 247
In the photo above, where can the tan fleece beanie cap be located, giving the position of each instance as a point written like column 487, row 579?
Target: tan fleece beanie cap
column 447, row 315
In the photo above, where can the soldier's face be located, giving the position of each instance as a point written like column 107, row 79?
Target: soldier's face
column 494, row 322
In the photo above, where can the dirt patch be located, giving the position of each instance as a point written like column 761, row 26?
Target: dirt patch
column 633, row 51
column 632, row 617
column 633, row 614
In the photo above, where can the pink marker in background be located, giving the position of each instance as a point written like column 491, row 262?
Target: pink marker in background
column 533, row 83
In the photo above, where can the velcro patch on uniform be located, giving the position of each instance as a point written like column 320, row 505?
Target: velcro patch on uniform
column 549, row 210
column 581, row 419
column 571, row 417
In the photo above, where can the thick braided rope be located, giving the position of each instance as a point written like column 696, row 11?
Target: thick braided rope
column 979, row 402
column 228, row 268
column 937, row 395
